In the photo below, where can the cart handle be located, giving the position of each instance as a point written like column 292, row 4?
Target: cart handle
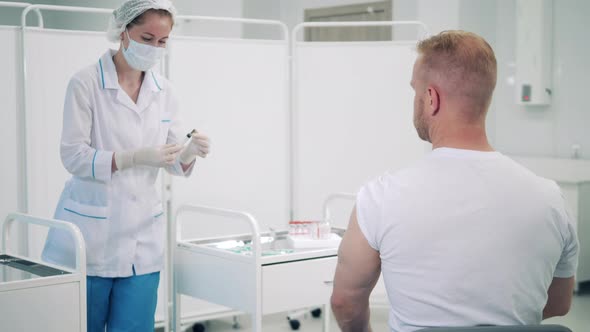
column 219, row 212
column 50, row 223
column 174, row 232
column 335, row 197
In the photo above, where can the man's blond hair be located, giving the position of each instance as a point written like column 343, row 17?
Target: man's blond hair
column 462, row 64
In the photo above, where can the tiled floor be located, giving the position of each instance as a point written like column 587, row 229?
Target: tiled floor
column 578, row 320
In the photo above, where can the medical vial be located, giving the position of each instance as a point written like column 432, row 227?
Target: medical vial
column 324, row 230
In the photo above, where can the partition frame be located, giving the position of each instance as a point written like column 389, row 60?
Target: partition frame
column 24, row 5
column 174, row 304
column 326, row 208
column 293, row 107
column 20, row 143
column 171, row 229
column 23, row 113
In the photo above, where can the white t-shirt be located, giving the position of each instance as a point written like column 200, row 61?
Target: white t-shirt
column 466, row 238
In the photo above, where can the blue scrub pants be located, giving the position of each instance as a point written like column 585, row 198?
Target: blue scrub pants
column 122, row 304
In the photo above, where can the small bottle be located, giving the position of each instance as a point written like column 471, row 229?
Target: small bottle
column 315, row 230
column 324, row 230
column 306, row 228
column 291, row 228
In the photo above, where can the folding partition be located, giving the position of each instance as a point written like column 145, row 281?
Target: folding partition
column 236, row 92
column 51, row 57
column 352, row 115
column 238, row 82
column 10, row 174
column 352, row 120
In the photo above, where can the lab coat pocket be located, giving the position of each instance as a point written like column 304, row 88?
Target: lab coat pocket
column 93, row 223
column 158, row 211
column 88, row 193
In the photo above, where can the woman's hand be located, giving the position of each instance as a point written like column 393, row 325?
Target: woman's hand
column 198, row 146
column 160, row 156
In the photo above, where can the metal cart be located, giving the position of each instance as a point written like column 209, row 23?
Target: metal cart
column 256, row 273
column 36, row 296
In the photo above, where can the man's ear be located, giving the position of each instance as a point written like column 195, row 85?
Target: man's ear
column 433, row 100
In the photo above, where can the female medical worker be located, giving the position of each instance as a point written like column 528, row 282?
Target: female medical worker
column 120, row 126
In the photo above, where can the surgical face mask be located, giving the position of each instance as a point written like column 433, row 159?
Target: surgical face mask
column 141, row 56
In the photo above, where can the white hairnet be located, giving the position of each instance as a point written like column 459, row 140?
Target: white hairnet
column 129, row 10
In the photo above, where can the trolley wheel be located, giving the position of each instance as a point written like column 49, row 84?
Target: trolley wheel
column 295, row 324
column 316, row 313
column 198, row 327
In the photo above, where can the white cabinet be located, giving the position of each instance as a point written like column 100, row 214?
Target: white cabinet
column 30, row 305
column 573, row 177
column 297, row 284
column 577, row 197
column 35, row 296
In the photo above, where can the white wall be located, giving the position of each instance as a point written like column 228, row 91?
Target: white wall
column 261, row 9
column 439, row 15
column 534, row 131
column 225, row 8
column 546, row 131
column 479, row 16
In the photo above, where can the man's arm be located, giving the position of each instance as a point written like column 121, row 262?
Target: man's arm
column 560, row 297
column 357, row 272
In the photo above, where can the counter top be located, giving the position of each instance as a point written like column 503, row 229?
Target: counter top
column 560, row 170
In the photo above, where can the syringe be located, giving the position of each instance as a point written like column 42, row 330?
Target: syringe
column 188, row 136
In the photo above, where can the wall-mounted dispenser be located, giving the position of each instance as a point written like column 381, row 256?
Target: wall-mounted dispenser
column 534, row 51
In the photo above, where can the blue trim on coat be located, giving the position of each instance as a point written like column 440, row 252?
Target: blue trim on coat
column 84, row 215
column 155, row 81
column 93, row 160
column 101, row 72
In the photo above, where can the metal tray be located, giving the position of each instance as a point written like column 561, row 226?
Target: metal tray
column 17, row 269
column 276, row 244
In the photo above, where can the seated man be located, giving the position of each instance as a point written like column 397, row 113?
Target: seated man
column 466, row 236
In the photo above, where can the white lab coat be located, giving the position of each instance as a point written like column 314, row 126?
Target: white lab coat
column 120, row 214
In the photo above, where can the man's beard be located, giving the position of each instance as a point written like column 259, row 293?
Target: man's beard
column 420, row 123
